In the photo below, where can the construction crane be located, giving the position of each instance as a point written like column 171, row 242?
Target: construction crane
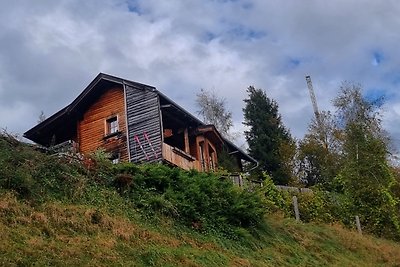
column 313, row 100
column 321, row 131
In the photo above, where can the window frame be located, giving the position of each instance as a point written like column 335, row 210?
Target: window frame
column 110, row 128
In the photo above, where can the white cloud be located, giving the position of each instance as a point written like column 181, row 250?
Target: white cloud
column 50, row 50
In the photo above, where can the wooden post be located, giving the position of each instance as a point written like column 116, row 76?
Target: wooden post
column 240, row 180
column 358, row 224
column 186, row 137
column 296, row 208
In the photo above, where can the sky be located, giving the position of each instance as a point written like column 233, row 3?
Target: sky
column 51, row 50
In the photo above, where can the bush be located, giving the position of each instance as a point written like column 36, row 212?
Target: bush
column 314, row 207
column 37, row 176
column 274, row 199
column 201, row 200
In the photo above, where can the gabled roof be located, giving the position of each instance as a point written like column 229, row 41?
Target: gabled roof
column 64, row 120
column 210, row 130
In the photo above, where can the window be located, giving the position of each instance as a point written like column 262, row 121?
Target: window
column 112, row 125
column 115, row 158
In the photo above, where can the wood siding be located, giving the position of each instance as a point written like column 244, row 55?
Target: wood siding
column 207, row 161
column 144, row 124
column 180, row 158
column 92, row 128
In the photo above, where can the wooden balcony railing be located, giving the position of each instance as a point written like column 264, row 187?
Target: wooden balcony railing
column 68, row 146
column 179, row 158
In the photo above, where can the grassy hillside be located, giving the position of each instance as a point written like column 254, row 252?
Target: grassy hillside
column 58, row 211
column 55, row 233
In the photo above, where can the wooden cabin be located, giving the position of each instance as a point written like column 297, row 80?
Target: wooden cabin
column 137, row 123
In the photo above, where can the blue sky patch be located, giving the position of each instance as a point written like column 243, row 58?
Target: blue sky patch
column 244, row 4
column 227, row 1
column 393, row 77
column 247, row 34
column 209, row 36
column 133, row 7
column 293, row 63
column 377, row 58
column 247, row 5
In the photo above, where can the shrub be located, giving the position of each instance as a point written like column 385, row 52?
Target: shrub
column 274, row 200
column 37, row 176
column 313, row 207
column 201, row 200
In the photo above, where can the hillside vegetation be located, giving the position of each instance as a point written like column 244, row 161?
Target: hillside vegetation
column 64, row 211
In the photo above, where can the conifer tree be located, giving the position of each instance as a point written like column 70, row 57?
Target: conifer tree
column 267, row 137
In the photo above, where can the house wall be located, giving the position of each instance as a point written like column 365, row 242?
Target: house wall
column 144, row 124
column 91, row 132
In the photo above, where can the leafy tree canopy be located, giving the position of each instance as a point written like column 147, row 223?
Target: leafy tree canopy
column 213, row 111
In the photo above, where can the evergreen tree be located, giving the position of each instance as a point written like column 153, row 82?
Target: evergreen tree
column 269, row 141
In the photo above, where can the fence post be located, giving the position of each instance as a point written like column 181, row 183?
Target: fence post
column 296, row 208
column 358, row 225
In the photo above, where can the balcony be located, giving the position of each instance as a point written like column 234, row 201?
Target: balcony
column 68, row 146
column 179, row 158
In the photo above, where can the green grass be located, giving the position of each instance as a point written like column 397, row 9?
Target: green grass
column 56, row 211
column 59, row 234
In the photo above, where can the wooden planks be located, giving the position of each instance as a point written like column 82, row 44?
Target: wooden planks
column 144, row 124
column 92, row 128
column 179, row 158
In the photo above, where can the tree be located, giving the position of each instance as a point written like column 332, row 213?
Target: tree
column 42, row 117
column 213, row 111
column 319, row 153
column 354, row 109
column 366, row 175
column 269, row 141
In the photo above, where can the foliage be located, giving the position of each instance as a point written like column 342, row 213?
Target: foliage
column 267, row 137
column 62, row 234
column 353, row 108
column 37, row 176
column 368, row 179
column 319, row 153
column 348, row 155
column 213, row 111
column 58, row 203
column 366, row 175
column 314, row 206
column 201, row 200
column 227, row 161
column 274, row 199
column 325, row 207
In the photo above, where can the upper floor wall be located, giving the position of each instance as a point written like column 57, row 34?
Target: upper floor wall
column 103, row 125
column 144, row 124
